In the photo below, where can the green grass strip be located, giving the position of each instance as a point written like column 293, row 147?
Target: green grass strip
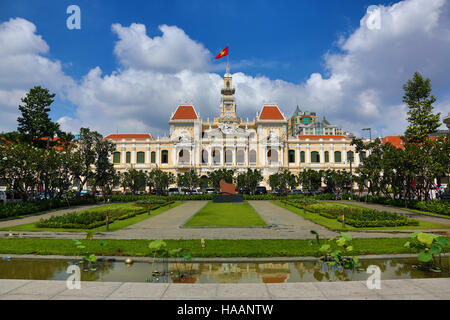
column 335, row 225
column 226, row 215
column 213, row 248
column 116, row 225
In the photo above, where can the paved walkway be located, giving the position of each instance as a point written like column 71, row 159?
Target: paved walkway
column 36, row 218
column 283, row 224
column 410, row 214
column 405, row 289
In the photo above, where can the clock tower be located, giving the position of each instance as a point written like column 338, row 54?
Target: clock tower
column 227, row 103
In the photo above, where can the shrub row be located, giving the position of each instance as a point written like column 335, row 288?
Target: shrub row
column 434, row 206
column 90, row 219
column 16, row 209
column 357, row 217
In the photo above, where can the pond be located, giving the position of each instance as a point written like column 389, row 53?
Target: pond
column 205, row 272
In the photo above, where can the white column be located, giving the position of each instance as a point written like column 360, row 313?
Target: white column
column 322, row 160
column 222, row 156
column 147, row 154
column 331, row 153
column 133, row 154
column 308, row 155
column 282, row 155
column 344, row 154
column 158, row 155
column 210, row 159
column 297, row 155
column 174, row 156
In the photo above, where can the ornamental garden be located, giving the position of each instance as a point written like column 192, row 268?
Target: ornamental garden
column 393, row 202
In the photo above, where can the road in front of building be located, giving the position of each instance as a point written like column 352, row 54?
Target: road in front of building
column 283, row 224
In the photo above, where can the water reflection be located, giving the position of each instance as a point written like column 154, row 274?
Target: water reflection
column 273, row 272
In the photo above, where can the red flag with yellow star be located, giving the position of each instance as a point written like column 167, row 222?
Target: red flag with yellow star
column 223, row 53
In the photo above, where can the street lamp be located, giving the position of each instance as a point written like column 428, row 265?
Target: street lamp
column 370, row 132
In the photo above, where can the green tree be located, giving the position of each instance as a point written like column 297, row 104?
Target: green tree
column 190, row 180
column 158, row 179
column 91, row 159
column 310, row 179
column 135, row 180
column 35, row 121
column 249, row 180
column 216, row 176
column 422, row 121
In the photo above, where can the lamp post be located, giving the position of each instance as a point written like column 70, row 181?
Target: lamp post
column 370, row 132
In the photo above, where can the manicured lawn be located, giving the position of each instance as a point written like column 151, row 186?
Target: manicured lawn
column 333, row 224
column 116, row 225
column 213, row 248
column 226, row 215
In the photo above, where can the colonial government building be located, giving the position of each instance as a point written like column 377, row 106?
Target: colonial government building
column 269, row 142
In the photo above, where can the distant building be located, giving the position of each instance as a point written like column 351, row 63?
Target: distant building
column 306, row 123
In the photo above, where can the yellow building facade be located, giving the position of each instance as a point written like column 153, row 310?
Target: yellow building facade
column 230, row 142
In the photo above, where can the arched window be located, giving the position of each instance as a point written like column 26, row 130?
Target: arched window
column 141, row 157
column 272, row 156
column 291, row 156
column 164, row 156
column 228, row 84
column 252, row 136
column 116, row 157
column 315, row 158
column 327, row 156
column 362, row 155
column 252, row 156
column 128, row 157
column 337, row 156
column 204, row 157
column 302, row 156
column 241, row 157
column 184, row 156
column 350, row 156
column 228, row 156
column 153, row 157
column 216, row 156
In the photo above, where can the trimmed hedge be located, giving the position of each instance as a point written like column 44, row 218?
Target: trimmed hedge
column 357, row 217
column 434, row 206
column 16, row 209
column 89, row 219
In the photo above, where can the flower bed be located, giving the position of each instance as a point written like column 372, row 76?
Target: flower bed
column 89, row 219
column 358, row 217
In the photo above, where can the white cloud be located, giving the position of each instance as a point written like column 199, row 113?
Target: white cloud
column 22, row 66
column 171, row 52
column 361, row 86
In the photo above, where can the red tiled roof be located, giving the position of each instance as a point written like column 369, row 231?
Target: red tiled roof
column 305, row 136
column 138, row 136
column 271, row 113
column 185, row 113
column 396, row 141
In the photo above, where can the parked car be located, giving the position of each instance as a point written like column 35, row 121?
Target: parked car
column 260, row 190
column 296, row 191
column 311, row 192
column 13, row 196
column 244, row 191
column 2, row 196
column 194, row 192
column 159, row 192
column 210, row 190
column 174, row 191
column 445, row 195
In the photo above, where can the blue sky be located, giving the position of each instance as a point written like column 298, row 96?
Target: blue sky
column 285, row 40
